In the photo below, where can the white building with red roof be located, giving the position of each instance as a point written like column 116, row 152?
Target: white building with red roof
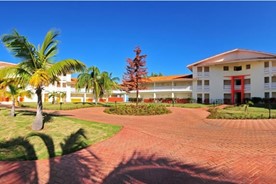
column 234, row 76
column 229, row 77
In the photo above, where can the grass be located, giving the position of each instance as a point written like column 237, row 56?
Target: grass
column 238, row 112
column 64, row 106
column 61, row 135
column 192, row 105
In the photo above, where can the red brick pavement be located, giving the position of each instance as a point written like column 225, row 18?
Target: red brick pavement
column 181, row 147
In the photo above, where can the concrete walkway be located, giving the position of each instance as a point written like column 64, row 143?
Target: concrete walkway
column 181, row 147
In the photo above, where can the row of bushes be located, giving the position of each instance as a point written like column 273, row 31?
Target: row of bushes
column 143, row 109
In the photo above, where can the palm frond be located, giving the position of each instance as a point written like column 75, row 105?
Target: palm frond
column 20, row 47
column 66, row 66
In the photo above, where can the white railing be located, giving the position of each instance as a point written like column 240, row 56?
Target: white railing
column 167, row 88
column 266, row 70
column 206, row 74
column 267, row 86
column 206, row 88
column 273, row 85
column 237, row 87
column 199, row 74
column 273, row 70
column 199, row 88
column 247, row 87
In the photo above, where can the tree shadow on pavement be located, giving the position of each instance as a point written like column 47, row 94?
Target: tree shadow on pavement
column 153, row 169
column 23, row 171
column 84, row 166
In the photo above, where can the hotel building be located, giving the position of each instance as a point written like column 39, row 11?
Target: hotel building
column 229, row 77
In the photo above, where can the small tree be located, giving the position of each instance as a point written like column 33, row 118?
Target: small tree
column 136, row 72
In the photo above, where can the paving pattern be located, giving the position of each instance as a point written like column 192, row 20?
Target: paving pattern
column 181, row 147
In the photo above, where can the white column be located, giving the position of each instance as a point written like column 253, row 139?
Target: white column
column 154, row 96
column 125, row 97
column 84, row 97
column 172, row 95
column 68, row 93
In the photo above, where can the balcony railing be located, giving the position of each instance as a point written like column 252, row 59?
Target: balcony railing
column 206, row 74
column 203, row 74
column 199, row 88
column 206, row 88
column 227, row 88
column 272, row 70
column 168, row 88
column 268, row 86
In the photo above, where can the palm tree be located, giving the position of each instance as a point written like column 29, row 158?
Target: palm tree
column 62, row 95
column 108, row 83
column 37, row 66
column 14, row 92
column 89, row 79
column 53, row 95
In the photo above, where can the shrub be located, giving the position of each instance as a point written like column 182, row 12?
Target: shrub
column 134, row 100
column 145, row 109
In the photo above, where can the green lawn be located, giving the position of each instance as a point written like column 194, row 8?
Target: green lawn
column 238, row 112
column 61, row 135
column 64, row 106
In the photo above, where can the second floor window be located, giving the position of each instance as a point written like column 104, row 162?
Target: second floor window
column 237, row 68
column 225, row 68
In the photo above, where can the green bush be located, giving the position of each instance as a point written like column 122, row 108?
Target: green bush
column 144, row 109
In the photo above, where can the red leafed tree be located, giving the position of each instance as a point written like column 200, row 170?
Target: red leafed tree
column 136, row 71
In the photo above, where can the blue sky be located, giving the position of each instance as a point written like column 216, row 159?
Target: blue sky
column 172, row 34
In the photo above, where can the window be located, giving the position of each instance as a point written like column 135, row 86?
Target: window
column 199, row 69
column 266, row 94
column 64, row 85
column 238, row 82
column 248, row 67
column 206, row 69
column 237, row 68
column 225, row 68
column 247, row 95
column 226, row 82
column 206, row 83
column 199, row 82
column 266, row 64
column 246, row 81
column 266, row 80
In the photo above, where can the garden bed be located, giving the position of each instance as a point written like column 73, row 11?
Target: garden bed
column 140, row 110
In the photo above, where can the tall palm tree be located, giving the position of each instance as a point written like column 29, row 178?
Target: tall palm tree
column 108, row 83
column 89, row 79
column 37, row 65
column 11, row 90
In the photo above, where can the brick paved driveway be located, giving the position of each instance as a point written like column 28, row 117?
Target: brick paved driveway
column 181, row 147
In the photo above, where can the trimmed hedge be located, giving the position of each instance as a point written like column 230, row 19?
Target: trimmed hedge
column 145, row 109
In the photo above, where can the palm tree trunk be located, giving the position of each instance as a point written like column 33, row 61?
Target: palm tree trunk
column 38, row 122
column 13, row 107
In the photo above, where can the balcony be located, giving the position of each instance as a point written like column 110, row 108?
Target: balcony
column 206, row 74
column 227, row 88
column 167, row 88
column 203, row 74
column 271, row 70
column 206, row 88
column 199, row 88
column 269, row 86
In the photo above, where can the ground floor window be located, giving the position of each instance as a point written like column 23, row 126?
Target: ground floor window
column 206, row 98
column 199, row 98
column 266, row 95
column 227, row 98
